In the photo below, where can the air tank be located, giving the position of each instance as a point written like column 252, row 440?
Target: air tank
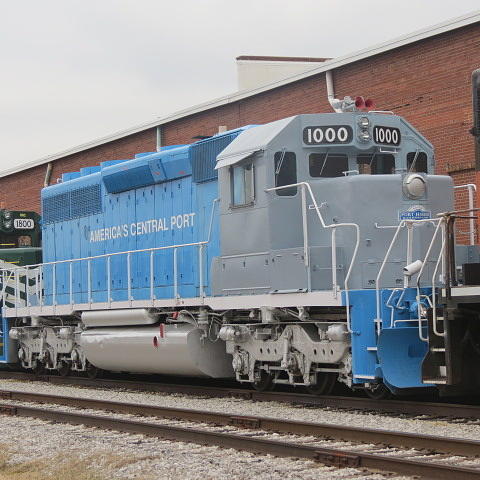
column 173, row 349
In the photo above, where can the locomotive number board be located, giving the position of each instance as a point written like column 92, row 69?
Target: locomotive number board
column 24, row 223
column 327, row 134
column 386, row 135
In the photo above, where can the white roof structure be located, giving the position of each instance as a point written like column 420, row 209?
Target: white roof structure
column 250, row 141
column 428, row 32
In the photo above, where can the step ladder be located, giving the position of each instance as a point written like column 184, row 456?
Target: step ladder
column 439, row 366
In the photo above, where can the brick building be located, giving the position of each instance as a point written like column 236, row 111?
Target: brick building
column 424, row 76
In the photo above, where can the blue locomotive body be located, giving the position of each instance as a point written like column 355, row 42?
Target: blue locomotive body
column 144, row 207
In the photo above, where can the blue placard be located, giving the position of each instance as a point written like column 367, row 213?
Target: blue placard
column 415, row 214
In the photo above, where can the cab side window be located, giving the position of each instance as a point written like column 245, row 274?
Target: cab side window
column 285, row 164
column 243, row 187
column 417, row 162
column 376, row 163
column 327, row 164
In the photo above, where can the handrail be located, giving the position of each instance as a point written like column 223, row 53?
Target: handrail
column 434, row 303
column 425, row 260
column 104, row 255
column 387, row 255
column 333, row 226
column 18, row 271
column 471, row 188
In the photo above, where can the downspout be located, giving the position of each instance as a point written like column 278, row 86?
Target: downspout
column 334, row 102
column 48, row 174
column 159, row 138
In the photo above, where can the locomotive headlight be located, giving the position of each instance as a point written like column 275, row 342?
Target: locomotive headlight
column 364, row 135
column 414, row 186
column 7, row 224
column 364, row 122
column 7, row 215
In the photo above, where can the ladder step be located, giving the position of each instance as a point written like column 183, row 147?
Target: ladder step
column 435, row 381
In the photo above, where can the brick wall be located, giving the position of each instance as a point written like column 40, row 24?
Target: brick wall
column 21, row 191
column 429, row 83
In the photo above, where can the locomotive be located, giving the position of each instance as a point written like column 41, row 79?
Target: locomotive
column 313, row 250
column 19, row 245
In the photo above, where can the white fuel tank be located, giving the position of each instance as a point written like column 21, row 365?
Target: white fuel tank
column 175, row 349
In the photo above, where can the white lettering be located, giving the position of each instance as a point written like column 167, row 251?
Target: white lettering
column 153, row 225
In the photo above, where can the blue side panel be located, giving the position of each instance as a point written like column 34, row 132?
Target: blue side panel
column 362, row 315
column 163, row 259
column 206, row 194
column 396, row 353
column 401, row 353
column 145, row 213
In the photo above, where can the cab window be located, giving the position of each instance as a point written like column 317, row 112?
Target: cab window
column 417, row 162
column 242, row 181
column 285, row 164
column 327, row 164
column 376, row 164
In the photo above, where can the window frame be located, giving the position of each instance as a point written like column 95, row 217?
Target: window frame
column 248, row 201
column 412, row 155
column 327, row 155
column 373, row 156
column 285, row 192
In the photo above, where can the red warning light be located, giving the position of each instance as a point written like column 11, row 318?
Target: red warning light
column 369, row 103
column 359, row 102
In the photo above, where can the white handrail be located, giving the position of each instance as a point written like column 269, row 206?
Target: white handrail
column 471, row 202
column 434, row 304
column 425, row 260
column 382, row 267
column 19, row 270
column 333, row 226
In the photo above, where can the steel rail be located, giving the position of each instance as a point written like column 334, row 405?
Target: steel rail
column 327, row 456
column 410, row 407
column 454, row 446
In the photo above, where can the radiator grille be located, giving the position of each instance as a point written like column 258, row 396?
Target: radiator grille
column 203, row 156
column 77, row 203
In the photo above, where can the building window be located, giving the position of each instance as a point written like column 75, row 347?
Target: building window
column 417, row 162
column 243, row 190
column 327, row 164
column 376, row 163
column 285, row 173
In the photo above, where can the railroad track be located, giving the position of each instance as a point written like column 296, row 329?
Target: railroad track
column 409, row 407
column 364, row 455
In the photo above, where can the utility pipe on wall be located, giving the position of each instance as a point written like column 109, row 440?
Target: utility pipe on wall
column 334, row 102
column 48, row 174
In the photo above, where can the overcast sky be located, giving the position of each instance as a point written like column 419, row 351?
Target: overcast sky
column 75, row 70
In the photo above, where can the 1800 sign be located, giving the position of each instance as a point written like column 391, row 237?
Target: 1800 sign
column 327, row 134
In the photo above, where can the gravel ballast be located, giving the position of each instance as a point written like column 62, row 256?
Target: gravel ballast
column 235, row 406
column 150, row 458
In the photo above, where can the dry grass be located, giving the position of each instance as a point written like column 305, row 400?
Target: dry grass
column 95, row 467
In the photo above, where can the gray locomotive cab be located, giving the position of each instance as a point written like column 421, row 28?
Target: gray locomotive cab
column 371, row 169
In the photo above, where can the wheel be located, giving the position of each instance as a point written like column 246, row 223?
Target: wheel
column 92, row 371
column 378, row 391
column 325, row 384
column 265, row 383
column 64, row 369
